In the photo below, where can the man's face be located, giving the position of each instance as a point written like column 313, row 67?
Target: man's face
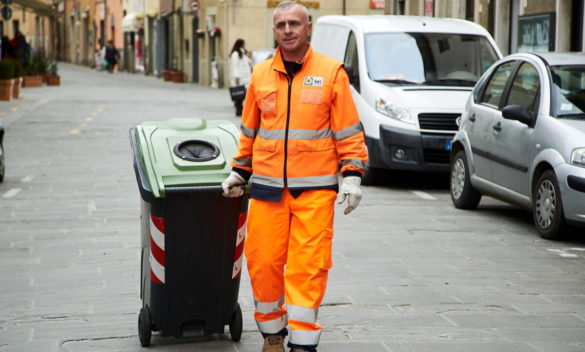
column 291, row 30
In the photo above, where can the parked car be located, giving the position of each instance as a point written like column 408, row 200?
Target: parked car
column 410, row 77
column 522, row 139
column 2, row 165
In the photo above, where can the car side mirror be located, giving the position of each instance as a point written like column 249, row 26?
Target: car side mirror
column 518, row 113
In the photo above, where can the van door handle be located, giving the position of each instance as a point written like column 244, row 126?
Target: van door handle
column 498, row 126
column 472, row 117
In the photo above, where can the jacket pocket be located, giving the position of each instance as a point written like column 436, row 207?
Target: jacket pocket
column 268, row 103
column 315, row 145
column 266, row 145
column 311, row 96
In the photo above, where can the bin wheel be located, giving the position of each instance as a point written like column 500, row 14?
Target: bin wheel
column 236, row 324
column 144, row 332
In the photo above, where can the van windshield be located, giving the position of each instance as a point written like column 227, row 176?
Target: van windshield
column 438, row 59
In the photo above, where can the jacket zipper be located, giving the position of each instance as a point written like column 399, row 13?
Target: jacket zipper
column 290, row 79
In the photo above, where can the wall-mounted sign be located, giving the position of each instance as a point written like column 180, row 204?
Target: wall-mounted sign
column 377, row 4
column 429, row 7
column 536, row 32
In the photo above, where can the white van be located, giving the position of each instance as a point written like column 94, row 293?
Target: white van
column 410, row 77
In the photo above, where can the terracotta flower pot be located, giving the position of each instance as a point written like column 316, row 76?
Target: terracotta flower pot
column 167, row 75
column 33, row 81
column 53, row 80
column 6, row 89
column 16, row 87
column 178, row 76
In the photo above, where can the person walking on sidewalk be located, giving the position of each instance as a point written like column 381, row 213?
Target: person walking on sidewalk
column 300, row 130
column 111, row 56
column 240, row 70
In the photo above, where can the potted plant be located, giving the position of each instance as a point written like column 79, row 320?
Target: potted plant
column 31, row 75
column 167, row 75
column 42, row 64
column 6, row 80
column 178, row 76
column 18, row 78
column 53, row 79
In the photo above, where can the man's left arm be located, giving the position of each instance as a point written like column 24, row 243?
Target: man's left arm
column 349, row 138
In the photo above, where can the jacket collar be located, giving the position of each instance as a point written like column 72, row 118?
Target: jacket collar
column 278, row 62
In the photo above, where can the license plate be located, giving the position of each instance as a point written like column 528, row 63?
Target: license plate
column 448, row 144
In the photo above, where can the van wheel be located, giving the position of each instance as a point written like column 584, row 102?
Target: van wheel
column 463, row 195
column 548, row 214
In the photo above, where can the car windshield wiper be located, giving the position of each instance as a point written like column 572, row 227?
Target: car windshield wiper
column 395, row 81
column 578, row 115
column 450, row 81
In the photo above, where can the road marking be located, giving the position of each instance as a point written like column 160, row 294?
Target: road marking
column 27, row 179
column 563, row 252
column 88, row 119
column 75, row 131
column 15, row 108
column 423, row 195
column 11, row 192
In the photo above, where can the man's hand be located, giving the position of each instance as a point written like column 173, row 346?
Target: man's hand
column 229, row 185
column 350, row 189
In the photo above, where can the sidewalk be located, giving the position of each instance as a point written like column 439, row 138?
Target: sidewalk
column 411, row 273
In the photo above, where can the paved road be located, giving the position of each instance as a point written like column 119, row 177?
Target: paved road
column 411, row 273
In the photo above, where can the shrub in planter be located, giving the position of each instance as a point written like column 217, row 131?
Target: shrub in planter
column 6, row 79
column 53, row 79
column 178, row 76
column 32, row 77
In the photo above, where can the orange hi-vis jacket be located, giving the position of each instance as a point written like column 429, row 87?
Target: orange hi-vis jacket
column 299, row 132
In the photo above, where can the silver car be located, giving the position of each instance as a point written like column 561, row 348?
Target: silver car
column 521, row 139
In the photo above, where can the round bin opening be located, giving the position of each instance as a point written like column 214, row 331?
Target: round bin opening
column 196, row 150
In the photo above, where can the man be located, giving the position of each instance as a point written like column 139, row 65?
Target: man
column 300, row 129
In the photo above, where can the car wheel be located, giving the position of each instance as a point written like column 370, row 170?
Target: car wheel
column 2, row 167
column 463, row 195
column 549, row 217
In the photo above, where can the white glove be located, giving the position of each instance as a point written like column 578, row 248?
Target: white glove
column 228, row 185
column 350, row 188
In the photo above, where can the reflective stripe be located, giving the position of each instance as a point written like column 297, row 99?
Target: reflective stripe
column 157, row 236
column 309, row 181
column 295, row 134
column 306, row 315
column 157, row 269
column 348, row 132
column 312, row 181
column 249, row 132
column 305, row 337
column 268, row 307
column 243, row 162
column 272, row 326
column 355, row 162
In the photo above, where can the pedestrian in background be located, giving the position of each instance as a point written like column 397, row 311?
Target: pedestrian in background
column 7, row 50
column 240, row 70
column 111, row 55
column 300, row 130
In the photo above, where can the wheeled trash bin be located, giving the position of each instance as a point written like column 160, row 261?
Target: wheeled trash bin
column 192, row 236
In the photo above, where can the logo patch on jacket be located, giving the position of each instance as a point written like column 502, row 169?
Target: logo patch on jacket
column 313, row 81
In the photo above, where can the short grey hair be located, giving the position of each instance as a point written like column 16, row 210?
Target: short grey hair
column 286, row 4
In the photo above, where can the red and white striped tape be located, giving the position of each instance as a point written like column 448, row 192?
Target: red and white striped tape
column 239, row 252
column 157, row 250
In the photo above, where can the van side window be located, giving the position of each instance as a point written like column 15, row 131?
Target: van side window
column 496, row 84
column 351, row 60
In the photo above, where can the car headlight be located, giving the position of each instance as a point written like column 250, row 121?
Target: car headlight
column 578, row 157
column 393, row 110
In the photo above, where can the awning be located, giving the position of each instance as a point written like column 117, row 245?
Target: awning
column 38, row 6
column 132, row 21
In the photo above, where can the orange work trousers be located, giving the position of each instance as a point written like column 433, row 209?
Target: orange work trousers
column 288, row 251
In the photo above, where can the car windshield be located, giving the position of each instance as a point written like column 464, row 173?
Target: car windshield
column 439, row 59
column 568, row 91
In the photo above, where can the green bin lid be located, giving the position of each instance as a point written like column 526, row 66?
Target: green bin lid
column 186, row 152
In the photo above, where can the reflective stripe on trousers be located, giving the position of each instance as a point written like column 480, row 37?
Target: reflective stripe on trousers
column 288, row 250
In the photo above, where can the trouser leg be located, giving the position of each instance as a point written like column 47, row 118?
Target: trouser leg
column 308, row 264
column 266, row 254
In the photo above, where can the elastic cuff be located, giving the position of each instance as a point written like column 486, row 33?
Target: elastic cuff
column 309, row 348
column 351, row 173
column 283, row 332
column 245, row 174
